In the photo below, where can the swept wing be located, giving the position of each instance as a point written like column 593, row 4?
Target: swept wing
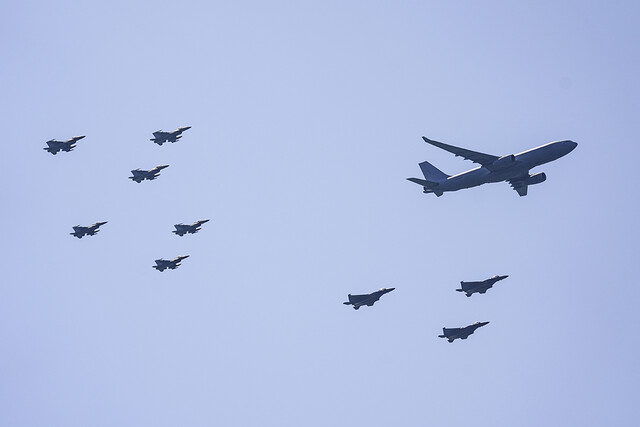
column 476, row 157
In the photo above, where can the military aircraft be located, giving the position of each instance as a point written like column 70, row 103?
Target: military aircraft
column 140, row 175
column 80, row 231
column 367, row 299
column 161, row 137
column 68, row 145
column 163, row 264
column 481, row 287
column 463, row 333
column 513, row 168
column 182, row 229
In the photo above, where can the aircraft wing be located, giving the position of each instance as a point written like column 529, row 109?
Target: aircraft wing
column 358, row 298
column 519, row 185
column 476, row 157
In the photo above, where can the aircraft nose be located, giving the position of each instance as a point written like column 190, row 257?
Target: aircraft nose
column 571, row 145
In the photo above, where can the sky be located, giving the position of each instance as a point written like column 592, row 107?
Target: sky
column 306, row 121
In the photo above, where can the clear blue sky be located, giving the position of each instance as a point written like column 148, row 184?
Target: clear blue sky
column 307, row 118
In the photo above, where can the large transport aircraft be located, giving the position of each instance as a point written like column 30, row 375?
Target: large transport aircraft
column 513, row 168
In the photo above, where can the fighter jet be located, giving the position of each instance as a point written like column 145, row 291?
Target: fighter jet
column 481, row 287
column 513, row 168
column 80, row 231
column 367, row 299
column 463, row 333
column 163, row 264
column 68, row 145
column 161, row 137
column 182, row 229
column 140, row 175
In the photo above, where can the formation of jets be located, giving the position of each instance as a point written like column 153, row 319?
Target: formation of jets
column 139, row 175
column 451, row 334
column 513, row 168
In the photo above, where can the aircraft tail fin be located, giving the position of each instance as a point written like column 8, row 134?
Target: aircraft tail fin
column 432, row 173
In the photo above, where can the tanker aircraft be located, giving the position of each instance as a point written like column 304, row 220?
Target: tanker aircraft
column 513, row 168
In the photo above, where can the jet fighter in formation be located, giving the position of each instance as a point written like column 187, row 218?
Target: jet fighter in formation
column 182, row 229
column 480, row 287
column 513, row 168
column 140, row 175
column 163, row 264
column 367, row 299
column 55, row 146
column 79, row 231
column 161, row 137
column 452, row 334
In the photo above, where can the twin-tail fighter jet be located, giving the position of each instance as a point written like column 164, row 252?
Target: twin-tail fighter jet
column 140, row 175
column 480, row 287
column 452, row 334
column 513, row 168
column 161, row 137
column 55, row 146
column 163, row 264
column 79, row 231
column 182, row 229
column 367, row 299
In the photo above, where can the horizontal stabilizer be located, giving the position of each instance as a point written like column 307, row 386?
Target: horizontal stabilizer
column 423, row 182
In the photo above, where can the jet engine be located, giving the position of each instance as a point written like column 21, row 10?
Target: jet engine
column 536, row 178
column 503, row 162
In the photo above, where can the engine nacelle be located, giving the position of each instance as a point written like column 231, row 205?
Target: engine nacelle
column 536, row 179
column 503, row 162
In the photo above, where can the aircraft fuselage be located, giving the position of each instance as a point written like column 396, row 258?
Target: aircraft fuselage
column 519, row 167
